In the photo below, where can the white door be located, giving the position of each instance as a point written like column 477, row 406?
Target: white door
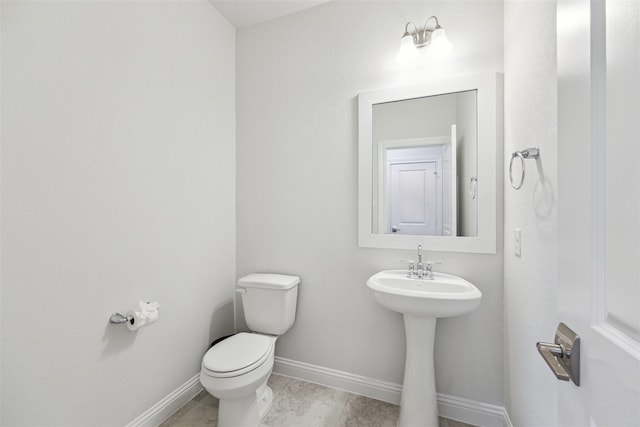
column 599, row 208
column 413, row 196
column 450, row 186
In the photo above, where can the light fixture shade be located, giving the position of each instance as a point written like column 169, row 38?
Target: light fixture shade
column 440, row 44
column 407, row 52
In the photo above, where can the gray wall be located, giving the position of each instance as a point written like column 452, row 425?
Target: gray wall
column 531, row 280
column 118, row 169
column 118, row 163
column 298, row 79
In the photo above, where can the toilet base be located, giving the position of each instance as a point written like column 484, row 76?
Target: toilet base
column 248, row 411
column 264, row 396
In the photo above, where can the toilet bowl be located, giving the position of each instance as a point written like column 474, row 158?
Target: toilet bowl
column 236, row 369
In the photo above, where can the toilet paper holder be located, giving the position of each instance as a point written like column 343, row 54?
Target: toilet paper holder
column 135, row 319
column 120, row 318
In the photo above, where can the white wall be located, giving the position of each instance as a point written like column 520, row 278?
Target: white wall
column 112, row 117
column 414, row 118
column 298, row 79
column 118, row 162
column 530, row 280
column 467, row 134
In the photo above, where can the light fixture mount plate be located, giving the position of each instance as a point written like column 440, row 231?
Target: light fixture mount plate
column 421, row 38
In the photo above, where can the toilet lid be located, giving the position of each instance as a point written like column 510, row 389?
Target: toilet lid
column 238, row 354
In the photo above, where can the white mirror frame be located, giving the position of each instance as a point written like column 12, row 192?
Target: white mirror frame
column 489, row 147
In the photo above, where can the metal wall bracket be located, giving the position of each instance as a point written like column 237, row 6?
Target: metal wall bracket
column 563, row 356
column 120, row 318
column 529, row 153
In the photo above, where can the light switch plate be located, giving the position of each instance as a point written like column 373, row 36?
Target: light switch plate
column 517, row 242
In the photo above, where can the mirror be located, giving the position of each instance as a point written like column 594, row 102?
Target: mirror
column 424, row 166
column 428, row 158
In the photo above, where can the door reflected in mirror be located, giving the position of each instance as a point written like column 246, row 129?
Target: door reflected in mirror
column 428, row 164
column 424, row 166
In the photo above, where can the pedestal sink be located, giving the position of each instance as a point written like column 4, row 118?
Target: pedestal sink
column 421, row 302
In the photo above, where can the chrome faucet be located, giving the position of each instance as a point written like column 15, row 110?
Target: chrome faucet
column 421, row 270
column 420, row 267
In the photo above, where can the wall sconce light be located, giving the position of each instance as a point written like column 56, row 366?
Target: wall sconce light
column 411, row 41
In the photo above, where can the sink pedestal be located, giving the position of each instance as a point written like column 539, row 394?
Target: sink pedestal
column 421, row 301
column 418, row 405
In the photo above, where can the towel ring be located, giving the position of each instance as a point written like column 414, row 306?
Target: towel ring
column 473, row 187
column 529, row 153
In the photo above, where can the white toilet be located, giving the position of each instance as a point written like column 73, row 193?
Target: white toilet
column 236, row 369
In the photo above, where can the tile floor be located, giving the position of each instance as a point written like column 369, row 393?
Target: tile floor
column 298, row 403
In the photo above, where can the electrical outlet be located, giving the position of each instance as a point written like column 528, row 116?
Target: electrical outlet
column 517, row 242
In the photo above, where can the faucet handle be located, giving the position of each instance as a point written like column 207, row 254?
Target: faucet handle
column 429, row 268
column 411, row 268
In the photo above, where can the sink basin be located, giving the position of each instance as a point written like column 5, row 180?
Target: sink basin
column 421, row 302
column 444, row 296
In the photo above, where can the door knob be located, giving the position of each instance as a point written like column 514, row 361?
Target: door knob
column 563, row 355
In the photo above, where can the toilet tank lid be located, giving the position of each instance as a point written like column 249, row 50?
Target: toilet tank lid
column 268, row 281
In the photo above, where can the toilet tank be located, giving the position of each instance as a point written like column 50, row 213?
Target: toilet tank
column 269, row 302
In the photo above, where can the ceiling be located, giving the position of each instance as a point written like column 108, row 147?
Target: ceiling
column 245, row 13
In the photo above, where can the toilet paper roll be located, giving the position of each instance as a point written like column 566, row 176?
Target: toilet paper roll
column 145, row 315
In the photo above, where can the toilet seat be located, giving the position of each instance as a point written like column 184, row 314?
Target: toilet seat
column 237, row 355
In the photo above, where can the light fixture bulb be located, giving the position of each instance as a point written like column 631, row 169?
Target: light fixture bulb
column 407, row 52
column 440, row 44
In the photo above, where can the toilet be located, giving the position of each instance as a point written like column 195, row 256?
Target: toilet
column 236, row 369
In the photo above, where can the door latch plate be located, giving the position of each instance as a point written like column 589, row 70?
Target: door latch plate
column 563, row 355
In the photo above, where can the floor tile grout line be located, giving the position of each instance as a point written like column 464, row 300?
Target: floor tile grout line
column 349, row 405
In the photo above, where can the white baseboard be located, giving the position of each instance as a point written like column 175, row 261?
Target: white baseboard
column 455, row 408
column 376, row 389
column 472, row 412
column 170, row 404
